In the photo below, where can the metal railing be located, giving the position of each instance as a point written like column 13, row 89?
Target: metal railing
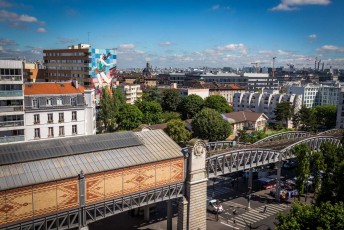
column 10, row 78
column 11, row 93
column 11, row 123
column 8, row 139
column 11, row 108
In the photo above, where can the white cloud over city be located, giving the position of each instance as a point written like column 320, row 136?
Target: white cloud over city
column 291, row 5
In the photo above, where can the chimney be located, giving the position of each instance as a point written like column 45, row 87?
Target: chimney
column 75, row 84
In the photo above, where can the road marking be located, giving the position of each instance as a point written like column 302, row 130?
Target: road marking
column 230, row 225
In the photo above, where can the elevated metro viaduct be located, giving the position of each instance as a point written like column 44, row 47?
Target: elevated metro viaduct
column 69, row 183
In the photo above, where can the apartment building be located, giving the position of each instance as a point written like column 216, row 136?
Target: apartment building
column 12, row 125
column 58, row 109
column 340, row 111
column 258, row 81
column 131, row 92
column 265, row 103
column 79, row 62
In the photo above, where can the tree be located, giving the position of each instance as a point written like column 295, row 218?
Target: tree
column 317, row 165
column 177, row 131
column 152, row 111
column 119, row 101
column 302, row 153
column 218, row 103
column 106, row 110
column 167, row 116
column 190, row 106
column 283, row 112
column 208, row 124
column 307, row 119
column 303, row 216
column 152, row 94
column 326, row 116
column 130, row 117
column 170, row 100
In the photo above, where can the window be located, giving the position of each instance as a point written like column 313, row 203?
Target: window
column 74, row 129
column 51, row 132
column 73, row 101
column 74, row 117
column 37, row 133
column 35, row 103
column 61, row 117
column 36, row 119
column 49, row 101
column 50, row 118
column 61, row 131
column 59, row 101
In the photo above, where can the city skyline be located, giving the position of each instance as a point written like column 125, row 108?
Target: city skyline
column 214, row 33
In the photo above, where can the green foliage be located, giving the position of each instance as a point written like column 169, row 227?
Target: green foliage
column 130, row 117
column 167, row 116
column 317, row 165
column 208, row 124
column 307, row 120
column 106, row 110
column 326, row 116
column 190, row 106
column 170, row 100
column 302, row 153
column 152, row 112
column 177, row 131
column 283, row 112
column 301, row 216
column 218, row 103
column 250, row 138
column 152, row 94
column 119, row 101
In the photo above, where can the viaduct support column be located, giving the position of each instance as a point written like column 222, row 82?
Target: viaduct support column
column 196, row 187
column 169, row 214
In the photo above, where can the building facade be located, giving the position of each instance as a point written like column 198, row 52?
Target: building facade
column 313, row 95
column 131, row 92
column 265, row 103
column 203, row 93
column 12, row 124
column 258, row 81
column 79, row 62
column 246, row 120
column 57, row 110
column 340, row 111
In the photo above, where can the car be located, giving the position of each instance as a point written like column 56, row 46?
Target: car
column 267, row 183
column 289, row 164
column 214, row 206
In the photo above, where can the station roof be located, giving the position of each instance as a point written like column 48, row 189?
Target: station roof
column 24, row 164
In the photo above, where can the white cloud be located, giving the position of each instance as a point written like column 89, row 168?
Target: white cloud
column 215, row 7
column 274, row 52
column 312, row 36
column 4, row 3
column 234, row 47
column 289, row 5
column 41, row 30
column 16, row 20
column 164, row 44
column 331, row 48
column 127, row 46
column 218, row 7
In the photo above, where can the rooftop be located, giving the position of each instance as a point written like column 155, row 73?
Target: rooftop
column 52, row 88
column 243, row 116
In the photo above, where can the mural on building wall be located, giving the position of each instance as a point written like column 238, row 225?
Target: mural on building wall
column 102, row 66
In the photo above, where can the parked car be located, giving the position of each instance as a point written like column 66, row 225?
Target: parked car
column 289, row 164
column 214, row 206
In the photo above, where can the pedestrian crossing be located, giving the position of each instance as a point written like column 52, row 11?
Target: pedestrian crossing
column 255, row 215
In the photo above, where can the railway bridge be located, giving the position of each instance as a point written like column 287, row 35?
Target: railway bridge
column 69, row 183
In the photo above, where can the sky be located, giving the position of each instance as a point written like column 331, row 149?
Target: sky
column 174, row 33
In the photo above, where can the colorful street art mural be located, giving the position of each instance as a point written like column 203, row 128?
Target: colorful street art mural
column 102, row 66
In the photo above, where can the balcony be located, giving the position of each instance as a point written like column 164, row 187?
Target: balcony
column 10, row 78
column 12, row 139
column 12, row 93
column 11, row 108
column 5, row 124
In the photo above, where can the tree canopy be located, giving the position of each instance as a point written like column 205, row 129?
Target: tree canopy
column 177, row 131
column 302, row 153
column 208, row 124
column 326, row 116
column 106, row 110
column 130, row 117
column 218, row 103
column 283, row 112
column 190, row 106
column 170, row 100
column 152, row 111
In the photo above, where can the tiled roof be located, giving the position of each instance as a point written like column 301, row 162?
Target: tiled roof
column 52, row 88
column 243, row 116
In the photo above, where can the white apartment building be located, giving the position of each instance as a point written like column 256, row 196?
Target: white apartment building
column 131, row 92
column 11, row 101
column 313, row 95
column 257, row 81
column 57, row 110
column 203, row 93
column 340, row 111
column 265, row 103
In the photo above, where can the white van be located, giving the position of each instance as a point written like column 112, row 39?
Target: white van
column 214, row 206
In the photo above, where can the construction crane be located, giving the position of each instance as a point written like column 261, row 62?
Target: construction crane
column 256, row 63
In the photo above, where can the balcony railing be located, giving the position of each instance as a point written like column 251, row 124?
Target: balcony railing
column 12, row 93
column 11, row 108
column 11, row 123
column 10, row 78
column 12, row 139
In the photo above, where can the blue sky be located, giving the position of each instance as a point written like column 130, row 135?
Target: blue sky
column 173, row 33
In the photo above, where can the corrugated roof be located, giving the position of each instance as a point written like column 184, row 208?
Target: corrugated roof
column 38, row 150
column 52, row 88
column 155, row 146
